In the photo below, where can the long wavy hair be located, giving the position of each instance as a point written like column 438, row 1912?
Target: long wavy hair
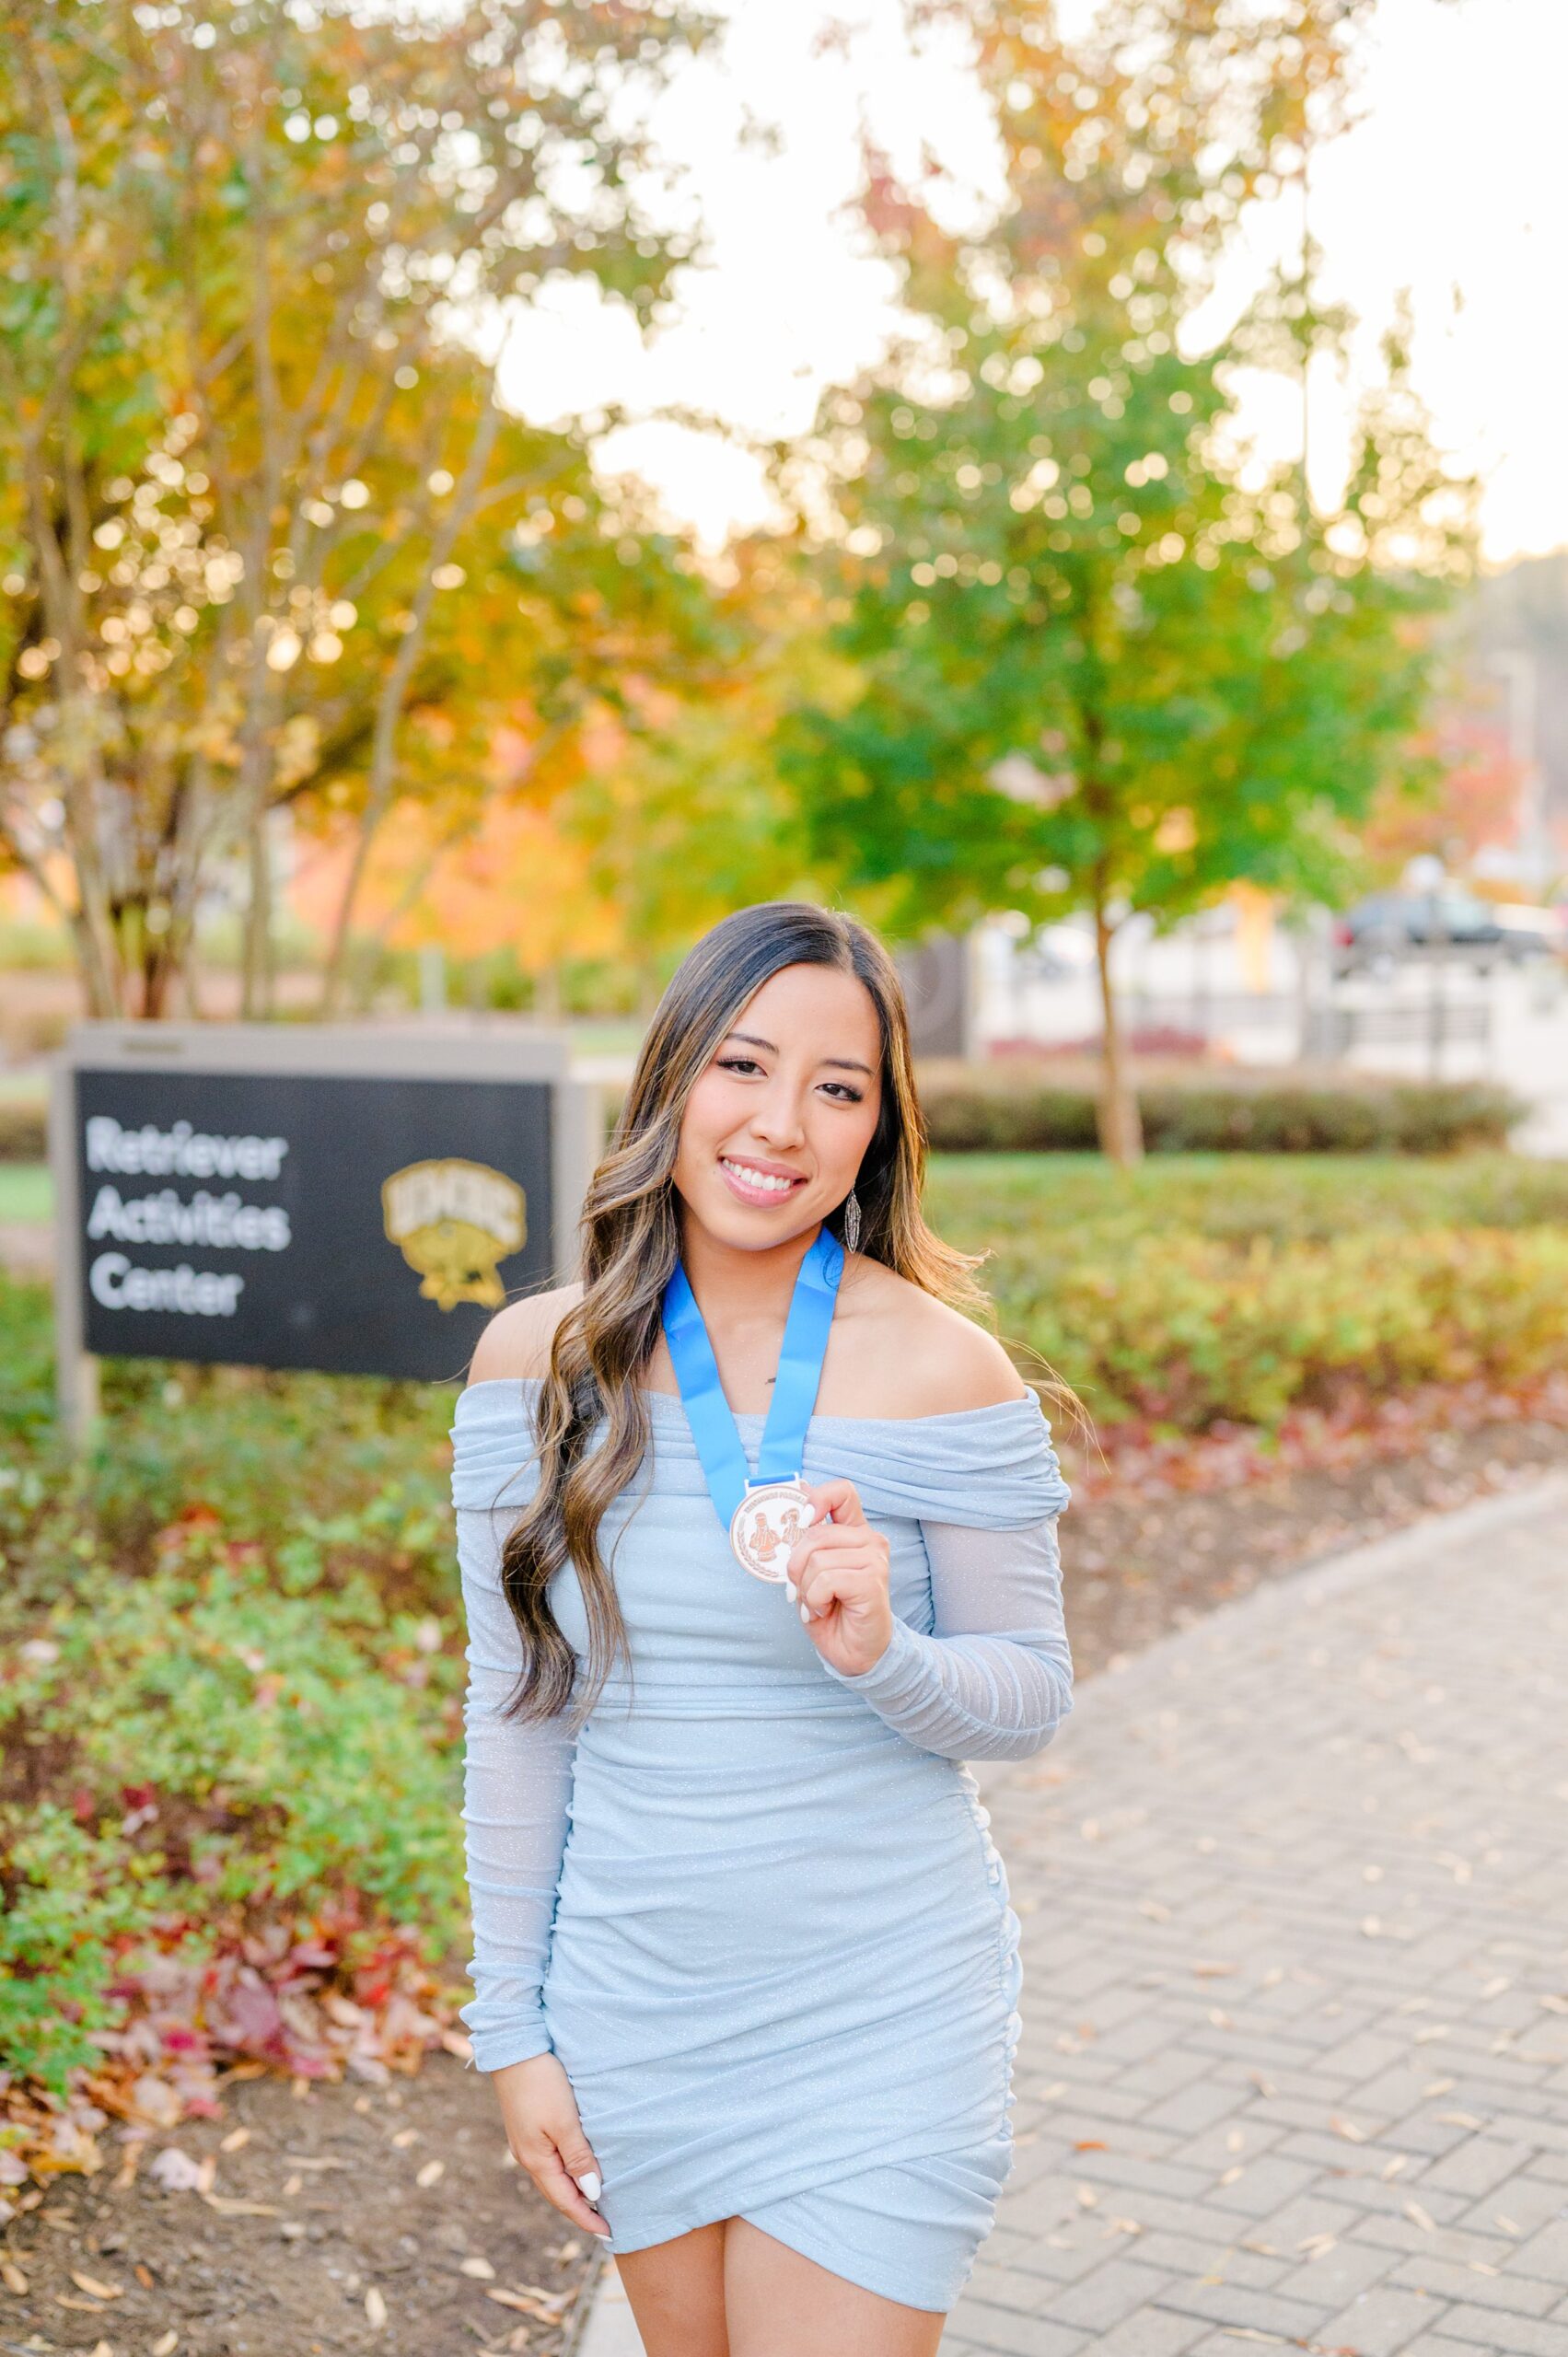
column 630, row 1241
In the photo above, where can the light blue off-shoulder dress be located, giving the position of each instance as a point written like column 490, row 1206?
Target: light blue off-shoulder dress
column 754, row 1906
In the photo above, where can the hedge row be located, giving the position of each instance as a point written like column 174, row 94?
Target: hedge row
column 1435, row 1118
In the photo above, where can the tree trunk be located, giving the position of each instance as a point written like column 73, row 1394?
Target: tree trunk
column 1120, row 1124
column 549, row 1003
column 256, row 950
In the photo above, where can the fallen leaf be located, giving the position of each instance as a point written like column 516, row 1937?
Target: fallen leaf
column 431, row 2174
column 322, row 2160
column 556, row 2300
column 1091, row 2144
column 404, row 2137
column 479, row 2268
column 375, row 2309
column 228, row 2208
column 144, row 2276
column 96, row 2288
column 13, row 2279
column 1348, row 2129
column 532, row 2300
column 290, row 2186
column 170, row 2341
column 236, row 2141
column 1420, row 2217
column 1507, row 2224
column 1087, row 2197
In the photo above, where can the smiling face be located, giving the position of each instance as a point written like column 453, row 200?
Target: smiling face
column 775, row 1127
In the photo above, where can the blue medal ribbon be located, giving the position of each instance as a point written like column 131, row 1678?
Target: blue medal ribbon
column 708, row 1412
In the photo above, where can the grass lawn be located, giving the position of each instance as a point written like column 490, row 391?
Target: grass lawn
column 1063, row 1204
column 26, row 1192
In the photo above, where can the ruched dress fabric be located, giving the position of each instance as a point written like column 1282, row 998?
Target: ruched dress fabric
column 753, row 1905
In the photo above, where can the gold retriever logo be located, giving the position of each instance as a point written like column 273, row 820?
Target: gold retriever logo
column 452, row 1221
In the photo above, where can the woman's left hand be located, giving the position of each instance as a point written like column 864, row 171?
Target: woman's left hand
column 837, row 1575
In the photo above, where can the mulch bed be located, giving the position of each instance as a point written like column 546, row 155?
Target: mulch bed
column 1137, row 1564
column 315, row 2235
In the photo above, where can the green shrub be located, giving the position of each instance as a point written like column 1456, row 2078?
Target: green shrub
column 1026, row 1116
column 1240, row 1286
column 195, row 1753
column 1189, row 1334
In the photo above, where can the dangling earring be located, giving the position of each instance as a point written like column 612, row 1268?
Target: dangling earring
column 851, row 1222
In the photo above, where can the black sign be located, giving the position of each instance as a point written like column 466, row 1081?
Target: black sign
column 362, row 1225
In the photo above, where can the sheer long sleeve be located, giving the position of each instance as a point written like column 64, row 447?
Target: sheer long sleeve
column 516, row 1800
column 993, row 1679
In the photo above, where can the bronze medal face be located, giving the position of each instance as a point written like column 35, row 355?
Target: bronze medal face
column 766, row 1525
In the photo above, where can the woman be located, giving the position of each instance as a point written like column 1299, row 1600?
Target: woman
column 745, row 1968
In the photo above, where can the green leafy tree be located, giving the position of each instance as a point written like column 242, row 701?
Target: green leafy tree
column 256, row 268
column 1100, row 664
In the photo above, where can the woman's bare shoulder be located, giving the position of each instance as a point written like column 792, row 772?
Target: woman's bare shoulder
column 907, row 1353
column 516, row 1341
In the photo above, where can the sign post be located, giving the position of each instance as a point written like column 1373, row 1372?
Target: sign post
column 354, row 1200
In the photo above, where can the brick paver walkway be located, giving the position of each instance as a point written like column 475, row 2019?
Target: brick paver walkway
column 1294, row 2068
column 1295, row 1891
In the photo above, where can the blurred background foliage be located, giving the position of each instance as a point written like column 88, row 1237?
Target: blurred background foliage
column 272, row 553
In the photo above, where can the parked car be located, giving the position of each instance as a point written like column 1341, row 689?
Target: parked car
column 1401, row 925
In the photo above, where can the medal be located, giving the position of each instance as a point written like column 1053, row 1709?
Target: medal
column 764, row 1514
column 765, row 1526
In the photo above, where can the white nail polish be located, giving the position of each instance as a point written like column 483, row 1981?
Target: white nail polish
column 791, row 1591
column 804, row 1614
column 590, row 2185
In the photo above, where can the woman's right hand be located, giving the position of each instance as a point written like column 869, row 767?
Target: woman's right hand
column 539, row 2112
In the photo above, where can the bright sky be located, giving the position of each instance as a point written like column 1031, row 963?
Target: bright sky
column 1450, row 185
